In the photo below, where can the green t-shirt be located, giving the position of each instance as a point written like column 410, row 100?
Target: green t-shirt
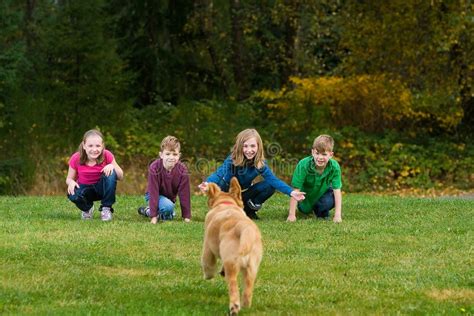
column 307, row 179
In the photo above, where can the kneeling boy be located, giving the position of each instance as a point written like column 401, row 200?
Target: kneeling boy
column 319, row 175
column 167, row 178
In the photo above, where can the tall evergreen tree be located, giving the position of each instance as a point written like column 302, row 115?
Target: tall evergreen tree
column 13, row 64
column 77, row 68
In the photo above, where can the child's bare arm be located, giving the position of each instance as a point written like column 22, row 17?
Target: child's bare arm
column 71, row 181
column 292, row 209
column 337, row 206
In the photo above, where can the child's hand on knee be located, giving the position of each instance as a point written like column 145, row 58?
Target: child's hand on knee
column 71, row 188
column 108, row 169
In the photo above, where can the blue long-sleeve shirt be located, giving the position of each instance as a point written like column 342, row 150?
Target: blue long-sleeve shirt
column 245, row 175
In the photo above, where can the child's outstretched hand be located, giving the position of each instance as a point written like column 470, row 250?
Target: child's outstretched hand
column 203, row 187
column 154, row 220
column 337, row 219
column 297, row 195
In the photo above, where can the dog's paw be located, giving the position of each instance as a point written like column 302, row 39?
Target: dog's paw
column 234, row 309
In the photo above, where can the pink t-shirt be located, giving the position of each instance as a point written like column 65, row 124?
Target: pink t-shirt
column 89, row 174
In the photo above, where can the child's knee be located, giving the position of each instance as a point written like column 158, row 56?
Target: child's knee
column 72, row 197
column 266, row 188
column 109, row 181
column 79, row 198
column 324, row 205
column 167, row 212
column 166, row 205
column 270, row 190
column 111, row 177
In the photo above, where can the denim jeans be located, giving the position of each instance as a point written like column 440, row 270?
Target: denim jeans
column 258, row 193
column 104, row 190
column 325, row 204
column 165, row 206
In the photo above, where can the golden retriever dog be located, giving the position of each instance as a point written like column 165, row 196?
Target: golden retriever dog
column 234, row 238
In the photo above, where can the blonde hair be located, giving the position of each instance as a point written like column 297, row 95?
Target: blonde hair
column 323, row 143
column 82, row 151
column 170, row 143
column 238, row 158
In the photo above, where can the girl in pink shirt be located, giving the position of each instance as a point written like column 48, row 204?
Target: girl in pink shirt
column 92, row 176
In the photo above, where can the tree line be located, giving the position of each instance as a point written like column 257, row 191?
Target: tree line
column 289, row 67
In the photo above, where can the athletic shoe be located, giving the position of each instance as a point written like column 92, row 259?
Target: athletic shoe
column 106, row 214
column 254, row 206
column 144, row 210
column 252, row 214
column 87, row 215
column 167, row 215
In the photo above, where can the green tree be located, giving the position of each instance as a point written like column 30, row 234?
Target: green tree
column 150, row 37
column 424, row 44
column 13, row 62
column 14, row 65
column 79, row 77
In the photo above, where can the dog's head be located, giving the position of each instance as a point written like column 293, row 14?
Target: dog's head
column 216, row 196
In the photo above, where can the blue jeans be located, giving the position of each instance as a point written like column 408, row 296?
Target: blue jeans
column 165, row 206
column 258, row 193
column 324, row 205
column 104, row 190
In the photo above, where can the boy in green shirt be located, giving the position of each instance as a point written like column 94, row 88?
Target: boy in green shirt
column 320, row 177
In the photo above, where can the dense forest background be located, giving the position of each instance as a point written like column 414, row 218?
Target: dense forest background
column 392, row 81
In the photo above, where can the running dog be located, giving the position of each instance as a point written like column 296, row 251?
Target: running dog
column 234, row 238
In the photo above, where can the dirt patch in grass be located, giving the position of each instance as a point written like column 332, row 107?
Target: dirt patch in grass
column 457, row 295
column 123, row 272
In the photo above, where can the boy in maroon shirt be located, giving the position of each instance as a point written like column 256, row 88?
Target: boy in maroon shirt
column 167, row 178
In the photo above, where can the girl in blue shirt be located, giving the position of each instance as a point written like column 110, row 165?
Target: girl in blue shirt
column 246, row 162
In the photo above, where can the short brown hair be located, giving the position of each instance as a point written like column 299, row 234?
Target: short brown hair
column 170, row 143
column 323, row 143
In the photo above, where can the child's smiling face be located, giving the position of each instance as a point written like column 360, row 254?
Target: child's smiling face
column 250, row 148
column 170, row 158
column 321, row 158
column 93, row 146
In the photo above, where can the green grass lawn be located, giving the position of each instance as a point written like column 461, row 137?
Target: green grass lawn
column 390, row 256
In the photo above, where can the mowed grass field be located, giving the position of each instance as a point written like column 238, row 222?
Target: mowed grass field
column 390, row 255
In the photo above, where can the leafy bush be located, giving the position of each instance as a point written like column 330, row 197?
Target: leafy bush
column 205, row 129
column 370, row 161
column 394, row 162
column 16, row 175
column 370, row 103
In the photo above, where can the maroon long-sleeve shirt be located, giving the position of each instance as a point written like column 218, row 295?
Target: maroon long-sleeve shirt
column 170, row 184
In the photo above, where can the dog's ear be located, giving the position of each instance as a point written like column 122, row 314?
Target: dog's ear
column 212, row 189
column 235, row 189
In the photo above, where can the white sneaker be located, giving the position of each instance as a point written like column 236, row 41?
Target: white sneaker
column 106, row 214
column 87, row 215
